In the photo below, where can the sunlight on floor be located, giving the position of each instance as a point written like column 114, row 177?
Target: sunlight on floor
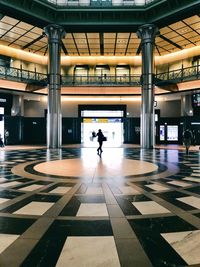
column 90, row 164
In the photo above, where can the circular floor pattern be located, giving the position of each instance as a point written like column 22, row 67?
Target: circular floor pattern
column 95, row 167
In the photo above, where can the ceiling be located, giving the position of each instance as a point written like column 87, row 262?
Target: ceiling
column 174, row 37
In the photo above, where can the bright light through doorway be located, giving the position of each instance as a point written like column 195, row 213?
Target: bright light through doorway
column 109, row 121
column 112, row 128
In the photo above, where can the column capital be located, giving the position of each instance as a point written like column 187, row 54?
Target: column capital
column 54, row 33
column 147, row 32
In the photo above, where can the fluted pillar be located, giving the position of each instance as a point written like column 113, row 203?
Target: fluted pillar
column 54, row 116
column 147, row 34
column 186, row 105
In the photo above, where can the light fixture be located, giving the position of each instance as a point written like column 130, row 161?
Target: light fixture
column 96, row 99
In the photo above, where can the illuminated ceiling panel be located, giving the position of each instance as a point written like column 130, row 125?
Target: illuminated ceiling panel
column 175, row 37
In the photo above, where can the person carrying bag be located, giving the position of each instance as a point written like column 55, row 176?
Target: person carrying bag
column 101, row 138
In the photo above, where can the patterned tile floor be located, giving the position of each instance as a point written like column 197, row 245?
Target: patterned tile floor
column 69, row 207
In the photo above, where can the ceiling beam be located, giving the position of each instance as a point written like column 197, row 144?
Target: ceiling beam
column 64, row 48
column 158, row 50
column 87, row 43
column 101, row 39
column 139, row 49
column 75, row 44
column 45, row 50
column 129, row 38
column 32, row 42
column 116, row 35
column 170, row 41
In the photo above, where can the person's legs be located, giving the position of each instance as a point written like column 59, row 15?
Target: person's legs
column 99, row 149
column 187, row 146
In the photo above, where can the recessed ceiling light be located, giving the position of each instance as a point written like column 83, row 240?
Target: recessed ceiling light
column 184, row 30
column 121, row 41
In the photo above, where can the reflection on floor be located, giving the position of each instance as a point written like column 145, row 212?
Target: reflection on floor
column 69, row 207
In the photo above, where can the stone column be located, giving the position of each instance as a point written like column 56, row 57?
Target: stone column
column 17, row 105
column 54, row 116
column 186, row 105
column 147, row 33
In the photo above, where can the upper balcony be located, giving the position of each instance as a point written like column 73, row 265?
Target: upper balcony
column 167, row 80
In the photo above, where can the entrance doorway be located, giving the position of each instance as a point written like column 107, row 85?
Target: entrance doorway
column 110, row 122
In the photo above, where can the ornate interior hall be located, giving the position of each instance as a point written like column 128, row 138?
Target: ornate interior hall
column 69, row 68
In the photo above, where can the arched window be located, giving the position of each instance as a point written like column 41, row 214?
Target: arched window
column 122, row 73
column 81, row 73
column 102, row 71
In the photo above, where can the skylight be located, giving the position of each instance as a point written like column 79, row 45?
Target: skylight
column 99, row 3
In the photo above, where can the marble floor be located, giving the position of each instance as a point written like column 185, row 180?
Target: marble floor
column 71, row 208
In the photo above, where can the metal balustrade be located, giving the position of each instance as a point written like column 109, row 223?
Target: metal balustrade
column 179, row 75
column 21, row 75
column 108, row 80
column 99, row 3
column 41, row 79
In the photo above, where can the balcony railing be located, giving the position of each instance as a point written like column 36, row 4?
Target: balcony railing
column 179, row 75
column 100, row 3
column 108, row 80
column 21, row 75
column 41, row 79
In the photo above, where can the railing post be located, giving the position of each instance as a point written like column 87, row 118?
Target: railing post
column 21, row 72
column 6, row 73
column 35, row 74
column 168, row 72
column 182, row 73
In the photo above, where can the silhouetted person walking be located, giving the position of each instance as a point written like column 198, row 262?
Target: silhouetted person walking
column 187, row 139
column 6, row 136
column 1, row 142
column 100, row 139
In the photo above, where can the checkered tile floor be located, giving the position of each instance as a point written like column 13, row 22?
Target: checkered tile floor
column 97, row 219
